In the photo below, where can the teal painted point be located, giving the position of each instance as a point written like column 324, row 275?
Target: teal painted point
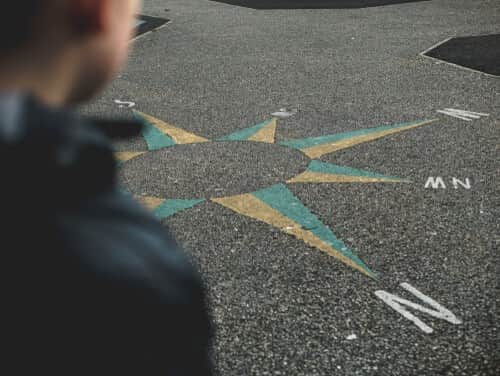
column 153, row 136
column 171, row 207
column 315, row 141
column 246, row 133
column 281, row 199
column 328, row 168
column 124, row 192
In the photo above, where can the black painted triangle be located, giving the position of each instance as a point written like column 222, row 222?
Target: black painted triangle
column 145, row 24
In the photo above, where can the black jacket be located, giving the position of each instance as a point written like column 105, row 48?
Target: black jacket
column 91, row 283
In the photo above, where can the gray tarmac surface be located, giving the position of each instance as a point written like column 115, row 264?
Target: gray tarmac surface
column 279, row 306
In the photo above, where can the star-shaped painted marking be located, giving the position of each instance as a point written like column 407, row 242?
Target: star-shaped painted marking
column 276, row 205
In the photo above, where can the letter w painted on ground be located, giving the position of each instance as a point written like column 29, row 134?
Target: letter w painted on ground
column 397, row 303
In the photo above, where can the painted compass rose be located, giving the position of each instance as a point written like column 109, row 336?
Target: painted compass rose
column 175, row 155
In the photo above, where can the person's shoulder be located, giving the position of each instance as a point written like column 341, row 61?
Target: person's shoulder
column 112, row 237
column 134, row 285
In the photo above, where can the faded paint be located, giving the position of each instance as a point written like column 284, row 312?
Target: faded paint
column 171, row 207
column 316, row 177
column 320, row 172
column 318, row 146
column 279, row 208
column 124, row 156
column 264, row 132
column 160, row 134
column 150, row 203
column 163, row 208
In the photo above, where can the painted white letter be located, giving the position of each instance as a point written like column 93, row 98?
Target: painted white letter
column 435, row 183
column 466, row 185
column 461, row 114
column 397, row 303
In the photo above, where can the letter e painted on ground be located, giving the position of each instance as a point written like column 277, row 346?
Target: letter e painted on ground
column 463, row 115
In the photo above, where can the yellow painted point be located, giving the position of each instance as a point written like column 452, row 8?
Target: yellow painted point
column 266, row 134
column 179, row 135
column 124, row 156
column 317, row 151
column 317, row 177
column 252, row 207
column 150, row 203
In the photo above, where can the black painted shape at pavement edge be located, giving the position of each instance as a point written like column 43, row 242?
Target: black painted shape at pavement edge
column 149, row 23
column 481, row 53
column 312, row 4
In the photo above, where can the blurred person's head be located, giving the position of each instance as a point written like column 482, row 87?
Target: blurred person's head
column 63, row 51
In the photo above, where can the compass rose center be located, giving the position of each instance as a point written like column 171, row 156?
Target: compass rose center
column 210, row 170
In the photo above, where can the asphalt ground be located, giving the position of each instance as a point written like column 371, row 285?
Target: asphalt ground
column 281, row 307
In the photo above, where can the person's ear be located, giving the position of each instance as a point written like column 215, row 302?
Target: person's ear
column 89, row 16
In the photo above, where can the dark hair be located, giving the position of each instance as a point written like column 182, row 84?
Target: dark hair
column 17, row 20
